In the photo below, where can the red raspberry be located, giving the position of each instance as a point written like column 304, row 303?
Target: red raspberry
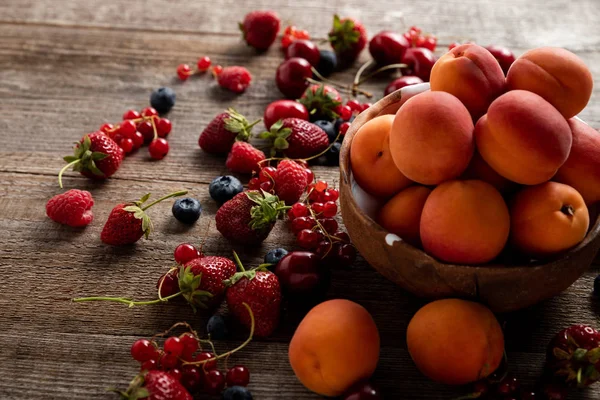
column 290, row 181
column 73, row 208
column 244, row 158
column 236, row 79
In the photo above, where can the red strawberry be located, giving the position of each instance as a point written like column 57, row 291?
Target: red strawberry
column 236, row 79
column 321, row 101
column 212, row 272
column 348, row 38
column 244, row 158
column 296, row 138
column 73, row 208
column 260, row 289
column 155, row 385
column 291, row 180
column 128, row 222
column 96, row 156
column 224, row 130
column 260, row 29
column 574, row 355
column 249, row 217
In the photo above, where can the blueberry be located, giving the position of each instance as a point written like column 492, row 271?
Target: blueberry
column 327, row 63
column 597, row 286
column 224, row 188
column 329, row 129
column 237, row 393
column 340, row 121
column 333, row 154
column 187, row 210
column 216, row 327
column 162, row 99
column 273, row 256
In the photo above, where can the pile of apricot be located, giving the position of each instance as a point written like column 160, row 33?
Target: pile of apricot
column 485, row 162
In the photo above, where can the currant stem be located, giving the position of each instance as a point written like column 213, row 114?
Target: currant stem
column 130, row 302
column 175, row 194
column 62, row 171
column 154, row 129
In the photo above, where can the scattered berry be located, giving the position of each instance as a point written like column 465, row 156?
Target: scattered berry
column 131, row 114
column 183, row 71
column 72, row 208
column 260, row 29
column 168, row 284
column 214, row 271
column 190, row 345
column 187, row 210
column 163, row 127
column 291, row 77
column 354, row 105
column 127, row 145
column 297, row 138
column 145, row 128
column 214, row 382
column 224, row 129
column 273, row 256
column 332, row 156
column 237, row 393
column 216, row 70
column 185, row 253
column 244, row 158
column 302, row 275
column 291, row 34
column 237, row 79
column 203, row 64
column 346, row 255
column 107, row 128
column 216, row 327
column 173, row 346
column 344, row 128
column 149, row 365
column 281, row 109
column 344, row 112
column 327, row 63
column 158, row 148
column 298, row 210
column 238, row 375
column 127, row 128
column 138, row 140
column 364, row 391
column 302, row 223
column 143, row 350
column 401, row 82
column 348, row 38
column 224, row 188
column 388, row 47
column 308, row 239
column 304, row 49
column 163, row 99
column 290, row 181
column 567, row 356
column 149, row 112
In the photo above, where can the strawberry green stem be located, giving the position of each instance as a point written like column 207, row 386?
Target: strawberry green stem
column 253, row 124
column 175, row 194
column 66, row 167
column 130, row 302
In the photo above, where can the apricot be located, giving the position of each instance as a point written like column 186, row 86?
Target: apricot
column 371, row 160
column 402, row 214
column 548, row 219
column 582, row 168
column 455, row 341
column 431, row 140
column 523, row 138
column 557, row 75
column 335, row 346
column 479, row 169
column 471, row 73
column 465, row 222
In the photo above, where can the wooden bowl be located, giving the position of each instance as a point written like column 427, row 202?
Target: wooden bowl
column 502, row 287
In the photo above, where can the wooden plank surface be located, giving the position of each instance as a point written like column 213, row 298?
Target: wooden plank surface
column 67, row 66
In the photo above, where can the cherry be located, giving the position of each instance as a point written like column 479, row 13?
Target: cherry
column 307, row 239
column 158, row 148
column 203, row 63
column 238, row 375
column 185, row 253
column 145, row 128
column 106, row 128
column 214, row 382
column 149, row 112
column 363, row 391
column 131, row 114
column 298, row 210
column 190, row 345
column 127, row 128
column 216, row 70
column 206, row 355
column 267, row 174
column 291, row 77
column 354, row 105
column 504, row 56
column 304, row 49
column 388, row 47
column 420, row 61
column 143, row 350
column 191, row 378
column 183, row 71
column 401, row 82
column 163, row 127
column 173, row 346
column 282, row 109
column 175, row 373
column 310, row 176
column 149, row 365
column 168, row 361
column 170, row 284
column 329, row 224
column 301, row 223
column 300, row 273
column 345, row 112
column 138, row 140
column 126, row 145
column 346, row 255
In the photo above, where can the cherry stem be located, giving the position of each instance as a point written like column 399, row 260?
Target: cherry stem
column 238, row 262
column 384, row 68
column 62, row 171
column 340, row 85
column 358, row 74
column 130, row 302
column 175, row 194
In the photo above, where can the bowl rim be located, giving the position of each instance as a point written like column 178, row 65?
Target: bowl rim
column 379, row 108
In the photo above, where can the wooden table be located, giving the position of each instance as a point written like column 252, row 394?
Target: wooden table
column 67, row 66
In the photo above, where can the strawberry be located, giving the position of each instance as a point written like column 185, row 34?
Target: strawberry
column 574, row 355
column 291, row 180
column 236, row 79
column 348, row 38
column 212, row 271
column 296, row 138
column 260, row 29
column 244, row 158
column 155, row 385
column 96, row 156
column 321, row 101
column 249, row 217
column 128, row 222
column 224, row 130
column 73, row 208
column 260, row 289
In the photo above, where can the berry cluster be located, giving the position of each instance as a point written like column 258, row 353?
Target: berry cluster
column 184, row 71
column 415, row 38
column 236, row 79
column 291, row 34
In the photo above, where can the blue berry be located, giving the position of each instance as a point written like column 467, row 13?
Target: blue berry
column 329, row 129
column 597, row 286
column 162, row 99
column 327, row 63
column 333, row 154
column 216, row 327
column 224, row 188
column 187, row 210
column 237, row 393
column 273, row 256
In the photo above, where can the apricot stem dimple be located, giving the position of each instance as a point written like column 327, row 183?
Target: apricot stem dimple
column 568, row 209
column 380, row 154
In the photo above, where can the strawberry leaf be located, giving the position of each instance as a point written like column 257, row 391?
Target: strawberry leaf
column 70, row 159
column 267, row 210
column 280, row 143
column 237, row 123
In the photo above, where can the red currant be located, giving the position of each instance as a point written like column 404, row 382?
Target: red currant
column 317, row 207
column 342, row 236
column 238, row 376
column 168, row 284
column 286, row 40
column 145, row 128
column 127, row 128
column 344, row 112
column 185, row 253
column 138, row 140
column 149, row 365
column 143, row 350
column 310, row 176
column 173, row 346
column 183, row 71
column 191, row 378
column 388, row 47
column 430, row 42
column 344, row 128
column 163, row 127
column 320, row 186
column 346, row 255
column 216, row 70
column 308, row 239
column 254, row 184
column 329, row 224
column 329, row 209
column 267, row 174
column 301, row 223
column 214, row 382
column 324, row 249
column 106, row 128
column 267, row 186
column 168, row 361
column 203, row 63
column 190, row 345
column 175, row 373
column 131, row 114
column 298, row 210
column 158, row 148
column 354, row 105
column 149, row 112
column 126, row 145
column 206, row 355
column 334, row 193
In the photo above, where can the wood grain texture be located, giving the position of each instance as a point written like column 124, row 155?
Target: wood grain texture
column 67, row 66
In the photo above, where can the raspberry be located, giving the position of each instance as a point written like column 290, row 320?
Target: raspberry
column 73, row 208
column 290, row 181
column 236, row 79
column 244, row 158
